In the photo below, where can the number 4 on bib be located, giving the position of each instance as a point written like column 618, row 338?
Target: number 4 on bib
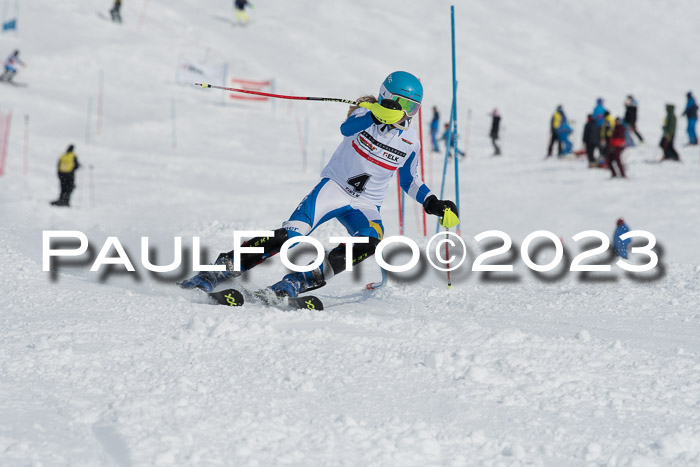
column 358, row 182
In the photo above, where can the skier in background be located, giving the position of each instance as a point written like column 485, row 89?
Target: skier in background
column 691, row 113
column 591, row 139
column 241, row 15
column 669, row 134
column 631, row 117
column 11, row 66
column 115, row 11
column 451, row 141
column 67, row 165
column 493, row 134
column 554, row 127
column 434, row 128
column 615, row 147
column 620, row 245
column 599, row 112
column 378, row 142
column 565, row 131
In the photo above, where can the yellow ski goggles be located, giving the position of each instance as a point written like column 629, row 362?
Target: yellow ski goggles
column 407, row 105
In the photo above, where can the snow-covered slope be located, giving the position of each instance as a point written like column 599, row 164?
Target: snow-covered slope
column 128, row 369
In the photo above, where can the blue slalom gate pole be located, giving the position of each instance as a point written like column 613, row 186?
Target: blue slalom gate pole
column 454, row 115
column 444, row 165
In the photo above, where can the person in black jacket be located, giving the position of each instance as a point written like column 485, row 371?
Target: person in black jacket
column 116, row 11
column 591, row 139
column 631, row 116
column 241, row 15
column 495, row 126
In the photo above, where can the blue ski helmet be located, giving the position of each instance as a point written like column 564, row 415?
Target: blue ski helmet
column 403, row 88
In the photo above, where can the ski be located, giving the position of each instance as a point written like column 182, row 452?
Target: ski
column 13, row 83
column 307, row 302
column 266, row 297
column 228, row 297
column 233, row 297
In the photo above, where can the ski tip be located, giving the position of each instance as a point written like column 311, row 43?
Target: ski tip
column 228, row 297
column 308, row 302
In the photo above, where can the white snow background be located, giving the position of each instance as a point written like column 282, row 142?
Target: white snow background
column 134, row 371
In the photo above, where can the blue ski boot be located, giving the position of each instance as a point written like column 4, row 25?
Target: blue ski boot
column 296, row 283
column 208, row 280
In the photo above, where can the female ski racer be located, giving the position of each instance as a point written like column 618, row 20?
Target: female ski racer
column 378, row 141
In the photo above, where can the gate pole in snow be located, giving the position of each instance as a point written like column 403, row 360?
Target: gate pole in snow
column 92, row 188
column 223, row 96
column 444, row 165
column 454, row 114
column 89, row 117
column 306, row 140
column 5, row 142
column 422, row 162
column 172, row 114
column 100, row 92
column 143, row 13
column 300, row 137
column 398, row 197
column 403, row 209
column 25, row 170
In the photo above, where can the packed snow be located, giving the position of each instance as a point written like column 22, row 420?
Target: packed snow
column 116, row 368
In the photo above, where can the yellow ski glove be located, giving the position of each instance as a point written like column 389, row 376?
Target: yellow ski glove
column 449, row 219
column 383, row 114
column 446, row 210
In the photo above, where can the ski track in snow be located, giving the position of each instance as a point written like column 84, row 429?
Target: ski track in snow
column 116, row 370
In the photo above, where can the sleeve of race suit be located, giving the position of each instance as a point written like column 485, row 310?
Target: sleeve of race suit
column 411, row 182
column 361, row 119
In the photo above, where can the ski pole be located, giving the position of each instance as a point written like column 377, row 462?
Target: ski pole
column 279, row 96
column 447, row 257
column 378, row 285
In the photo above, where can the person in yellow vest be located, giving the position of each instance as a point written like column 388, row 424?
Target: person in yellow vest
column 67, row 165
column 606, row 132
column 554, row 126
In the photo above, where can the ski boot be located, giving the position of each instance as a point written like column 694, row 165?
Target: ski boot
column 296, row 283
column 208, row 280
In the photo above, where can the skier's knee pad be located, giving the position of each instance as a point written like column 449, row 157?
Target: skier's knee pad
column 360, row 252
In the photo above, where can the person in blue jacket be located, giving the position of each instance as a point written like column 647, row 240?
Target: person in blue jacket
column 691, row 113
column 434, row 128
column 620, row 245
column 565, row 131
column 450, row 140
column 599, row 112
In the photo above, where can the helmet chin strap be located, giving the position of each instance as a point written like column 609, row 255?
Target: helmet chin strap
column 406, row 124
